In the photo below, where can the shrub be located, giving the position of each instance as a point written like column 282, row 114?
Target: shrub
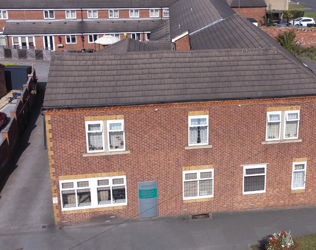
column 282, row 241
column 287, row 39
column 293, row 13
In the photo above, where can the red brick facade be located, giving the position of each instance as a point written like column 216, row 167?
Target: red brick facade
column 257, row 13
column 305, row 36
column 183, row 43
column 157, row 142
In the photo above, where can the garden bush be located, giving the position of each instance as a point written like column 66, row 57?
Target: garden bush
column 282, row 241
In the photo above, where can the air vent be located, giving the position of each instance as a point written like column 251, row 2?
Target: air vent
column 201, row 216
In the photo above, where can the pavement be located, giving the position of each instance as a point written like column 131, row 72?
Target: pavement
column 26, row 215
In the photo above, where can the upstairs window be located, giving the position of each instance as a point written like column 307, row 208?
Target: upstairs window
column 3, row 14
column 49, row 14
column 116, row 136
column 134, row 13
column 93, row 38
column 273, row 125
column 165, row 12
column 292, row 119
column 198, row 130
column 71, row 14
column 282, row 125
column 92, row 14
column 154, row 13
column 113, row 13
column 94, row 136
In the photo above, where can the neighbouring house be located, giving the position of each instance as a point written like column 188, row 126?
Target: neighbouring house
column 277, row 4
column 63, row 25
column 224, row 122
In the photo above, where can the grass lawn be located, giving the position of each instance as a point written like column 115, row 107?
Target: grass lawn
column 308, row 242
column 310, row 14
column 297, row 6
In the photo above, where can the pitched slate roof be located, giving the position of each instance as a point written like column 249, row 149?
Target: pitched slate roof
column 61, row 4
column 187, row 15
column 174, row 76
column 234, row 32
column 246, row 3
column 126, row 45
column 74, row 27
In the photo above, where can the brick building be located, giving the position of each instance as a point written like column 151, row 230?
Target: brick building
column 63, row 25
column 227, row 125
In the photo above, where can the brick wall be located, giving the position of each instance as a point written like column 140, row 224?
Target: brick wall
column 3, row 87
column 4, row 154
column 183, row 43
column 305, row 36
column 157, row 140
column 256, row 13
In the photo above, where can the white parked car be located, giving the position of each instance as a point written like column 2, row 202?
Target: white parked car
column 303, row 21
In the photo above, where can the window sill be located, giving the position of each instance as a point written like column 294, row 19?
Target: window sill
column 298, row 191
column 197, row 147
column 107, row 153
column 198, row 200
column 282, row 141
column 87, row 210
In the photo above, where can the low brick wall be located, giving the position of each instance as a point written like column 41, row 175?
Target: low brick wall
column 305, row 36
column 4, row 154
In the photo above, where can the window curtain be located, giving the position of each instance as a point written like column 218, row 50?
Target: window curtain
column 194, row 131
column 95, row 141
column 254, row 183
column 291, row 129
column 116, row 140
column 273, row 130
column 298, row 179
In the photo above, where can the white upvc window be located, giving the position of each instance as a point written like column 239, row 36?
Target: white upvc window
column 134, row 13
column 254, row 178
column 291, row 124
column 299, row 175
column 147, row 36
column 136, row 36
column 94, row 136
column 116, row 135
column 154, row 13
column 92, row 38
column 165, row 12
column 114, row 35
column 49, row 14
column 113, row 13
column 3, row 14
column 198, row 130
column 93, row 193
column 198, row 184
column 273, row 126
column 71, row 39
column 71, row 14
column 92, row 14
column 282, row 125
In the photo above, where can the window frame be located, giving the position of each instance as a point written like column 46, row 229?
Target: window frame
column 293, row 171
column 133, row 11
column 254, row 166
column 163, row 12
column 1, row 13
column 92, row 11
column 70, row 36
column 108, row 134
column 285, row 120
column 92, row 35
column 48, row 12
column 280, row 124
column 154, row 11
column 93, row 186
column 87, row 123
column 70, row 11
column 198, row 172
column 189, row 126
column 113, row 11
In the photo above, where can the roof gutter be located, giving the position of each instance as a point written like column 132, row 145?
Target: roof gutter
column 149, row 103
